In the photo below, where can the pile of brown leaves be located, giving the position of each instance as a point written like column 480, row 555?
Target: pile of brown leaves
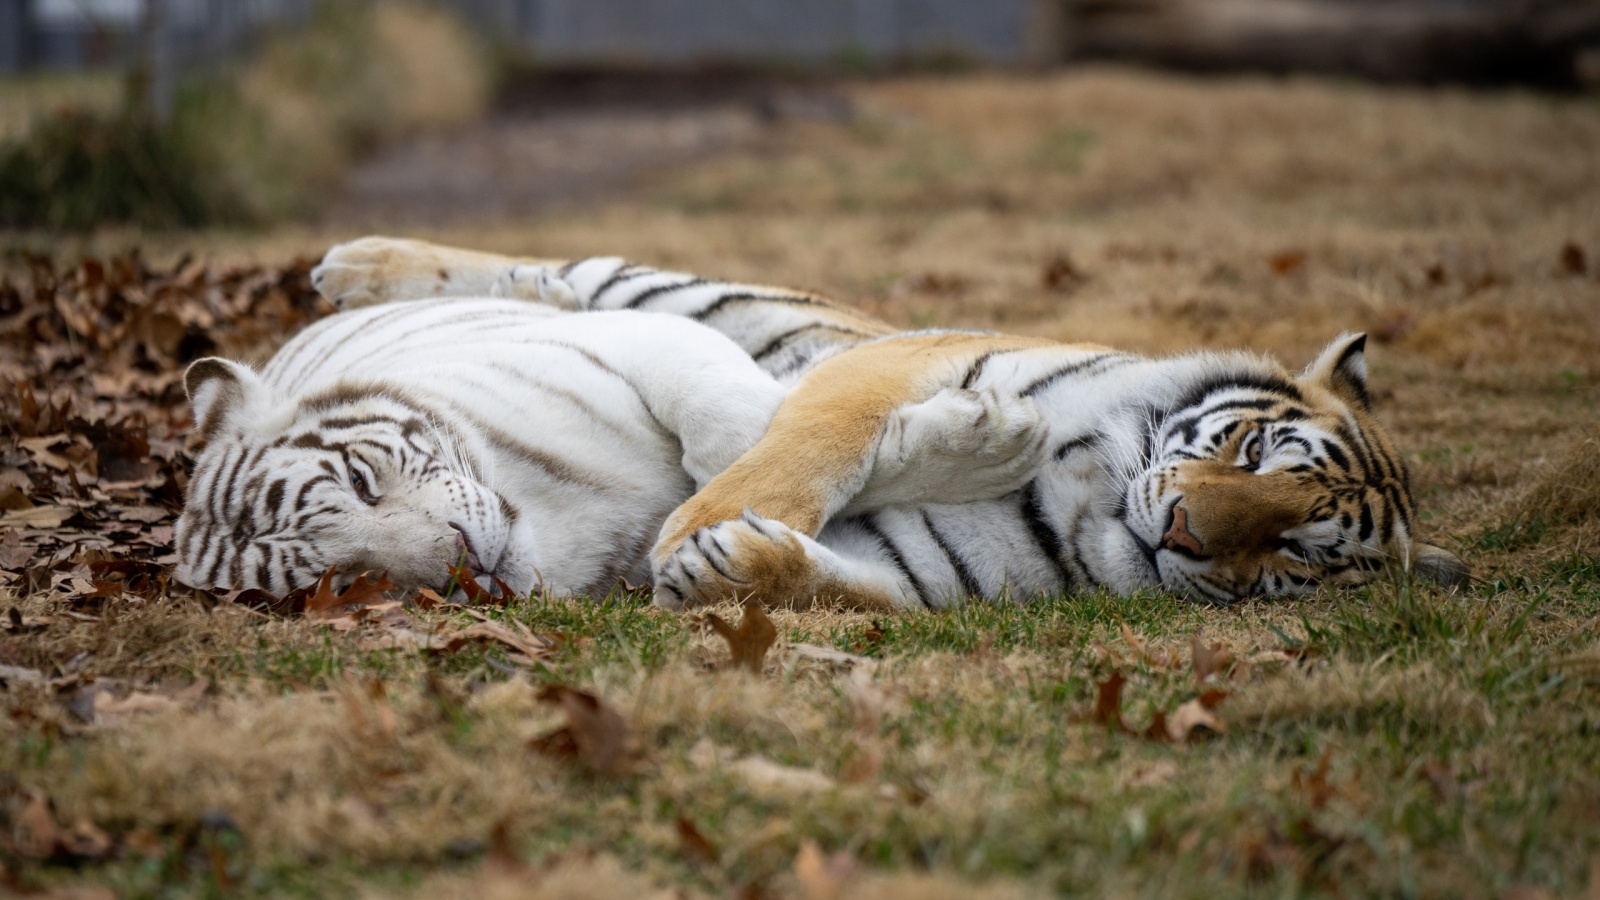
column 92, row 412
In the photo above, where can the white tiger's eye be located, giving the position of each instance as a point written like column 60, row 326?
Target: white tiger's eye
column 358, row 483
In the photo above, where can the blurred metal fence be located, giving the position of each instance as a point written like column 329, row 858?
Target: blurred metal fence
column 60, row 34
column 77, row 34
column 676, row 32
column 1399, row 39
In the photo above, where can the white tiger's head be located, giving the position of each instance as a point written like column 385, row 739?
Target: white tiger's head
column 358, row 476
column 1259, row 482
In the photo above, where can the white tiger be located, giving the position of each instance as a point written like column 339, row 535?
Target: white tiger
column 531, row 445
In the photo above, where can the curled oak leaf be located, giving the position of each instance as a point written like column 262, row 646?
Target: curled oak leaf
column 600, row 739
column 1208, row 659
column 1108, row 704
column 426, row 599
column 1194, row 715
column 751, row 640
column 696, row 845
column 325, row 602
column 477, row 594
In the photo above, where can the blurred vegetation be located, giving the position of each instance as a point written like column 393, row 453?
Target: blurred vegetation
column 253, row 141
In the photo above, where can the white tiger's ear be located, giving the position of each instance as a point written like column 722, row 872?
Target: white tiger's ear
column 222, row 394
column 1342, row 369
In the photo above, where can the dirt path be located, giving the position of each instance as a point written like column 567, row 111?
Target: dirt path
column 563, row 141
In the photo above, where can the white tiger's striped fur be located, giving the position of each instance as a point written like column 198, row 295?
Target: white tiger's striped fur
column 861, row 455
column 540, row 448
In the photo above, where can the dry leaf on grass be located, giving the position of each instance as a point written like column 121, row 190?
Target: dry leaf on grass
column 1208, row 659
column 326, row 603
column 823, row 877
column 1314, row 784
column 751, row 640
column 1190, row 717
column 595, row 736
column 36, row 834
column 1108, row 704
column 696, row 845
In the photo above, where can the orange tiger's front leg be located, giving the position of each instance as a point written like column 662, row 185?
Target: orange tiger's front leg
column 751, row 529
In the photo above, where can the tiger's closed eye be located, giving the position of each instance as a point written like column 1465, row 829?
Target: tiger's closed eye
column 359, row 484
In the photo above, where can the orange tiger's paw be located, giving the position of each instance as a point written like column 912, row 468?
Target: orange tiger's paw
column 734, row 559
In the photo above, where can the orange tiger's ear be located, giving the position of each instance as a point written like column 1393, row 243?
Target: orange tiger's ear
column 220, row 391
column 1342, row 369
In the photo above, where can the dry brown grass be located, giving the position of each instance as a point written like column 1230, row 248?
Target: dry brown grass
column 1459, row 729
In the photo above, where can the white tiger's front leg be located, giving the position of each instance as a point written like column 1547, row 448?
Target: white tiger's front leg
column 757, row 556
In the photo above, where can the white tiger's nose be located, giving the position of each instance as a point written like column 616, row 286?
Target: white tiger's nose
column 464, row 549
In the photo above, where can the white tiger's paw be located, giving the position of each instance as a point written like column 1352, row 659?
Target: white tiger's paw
column 731, row 559
column 958, row 446
column 528, row 281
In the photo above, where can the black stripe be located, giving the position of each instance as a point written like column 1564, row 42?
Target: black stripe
column 1044, row 535
column 968, row 583
column 1076, row 444
column 781, row 340
column 746, row 297
column 871, row 528
column 1041, row 383
column 976, row 369
column 1267, row 383
column 648, row 294
column 623, row 273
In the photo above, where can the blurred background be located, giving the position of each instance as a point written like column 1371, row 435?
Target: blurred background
column 194, row 113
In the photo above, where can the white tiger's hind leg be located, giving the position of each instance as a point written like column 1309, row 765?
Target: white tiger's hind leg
column 752, row 555
column 958, row 446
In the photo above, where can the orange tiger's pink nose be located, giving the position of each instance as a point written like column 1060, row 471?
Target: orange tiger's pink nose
column 1178, row 535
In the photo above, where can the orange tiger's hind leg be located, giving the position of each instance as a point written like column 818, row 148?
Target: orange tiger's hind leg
column 375, row 269
column 815, row 457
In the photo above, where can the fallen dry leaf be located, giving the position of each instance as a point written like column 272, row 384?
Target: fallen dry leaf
column 1314, row 785
column 1287, row 262
column 1196, row 714
column 1573, row 260
column 1108, row 704
column 34, row 832
column 519, row 638
column 1209, row 659
column 751, row 640
column 596, row 736
column 696, row 845
column 823, row 877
